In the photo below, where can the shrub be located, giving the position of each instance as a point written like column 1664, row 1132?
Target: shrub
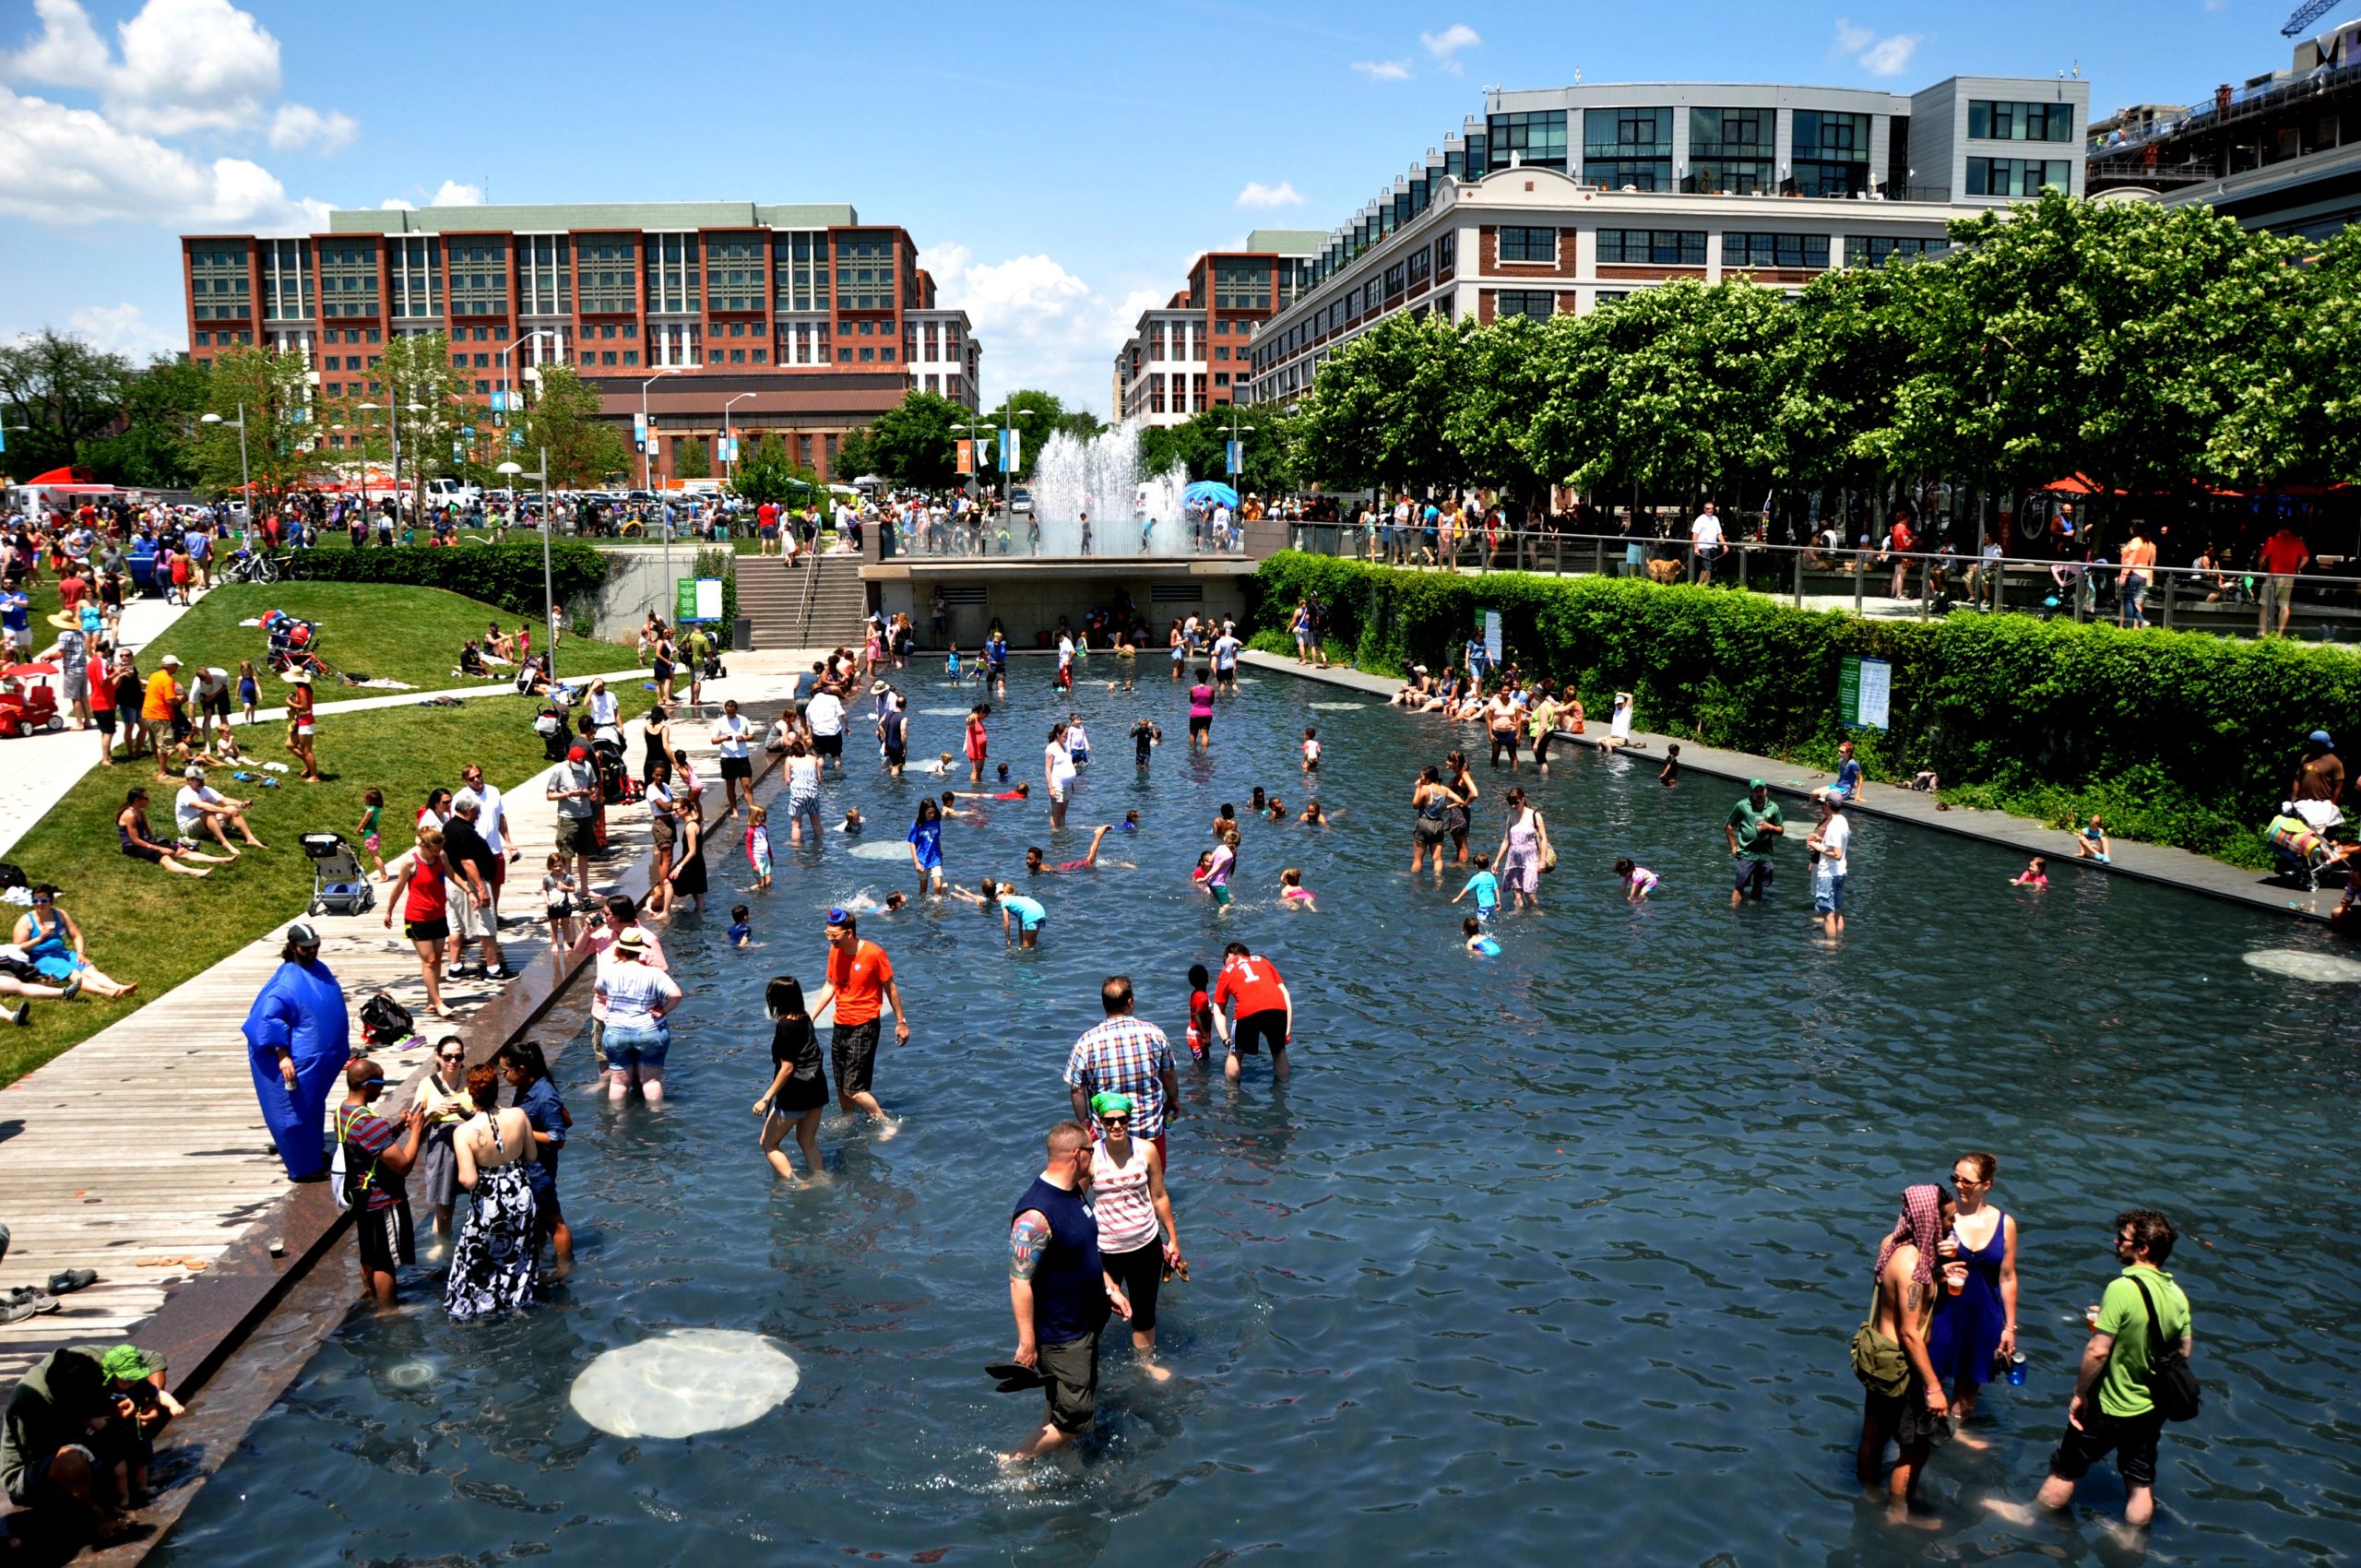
column 506, row 574
column 2179, row 738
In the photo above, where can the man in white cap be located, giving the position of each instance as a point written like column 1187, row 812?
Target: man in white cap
column 156, row 710
column 200, row 811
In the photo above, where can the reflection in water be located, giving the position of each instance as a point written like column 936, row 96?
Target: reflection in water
column 1530, row 1260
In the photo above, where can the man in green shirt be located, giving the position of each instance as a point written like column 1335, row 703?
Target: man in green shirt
column 698, row 646
column 2113, row 1408
column 74, row 1439
column 1754, row 829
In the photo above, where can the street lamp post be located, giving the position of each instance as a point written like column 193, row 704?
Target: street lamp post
column 1237, row 468
column 245, row 483
column 729, row 463
column 647, row 471
column 549, row 595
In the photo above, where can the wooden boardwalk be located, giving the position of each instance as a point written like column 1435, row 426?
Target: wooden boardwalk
column 145, row 1142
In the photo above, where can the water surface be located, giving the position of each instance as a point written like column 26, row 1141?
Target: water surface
column 1547, row 1257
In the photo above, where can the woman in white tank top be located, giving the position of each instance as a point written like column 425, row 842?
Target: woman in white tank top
column 1138, row 1239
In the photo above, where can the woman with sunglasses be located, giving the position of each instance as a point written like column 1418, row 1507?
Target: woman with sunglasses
column 444, row 1101
column 1138, row 1238
column 53, row 945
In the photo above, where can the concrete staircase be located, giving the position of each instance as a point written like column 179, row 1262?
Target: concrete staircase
column 772, row 596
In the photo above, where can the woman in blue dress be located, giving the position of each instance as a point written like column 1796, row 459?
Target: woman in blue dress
column 1976, row 1328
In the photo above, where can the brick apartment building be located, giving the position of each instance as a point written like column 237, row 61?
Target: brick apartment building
column 802, row 320
column 1188, row 355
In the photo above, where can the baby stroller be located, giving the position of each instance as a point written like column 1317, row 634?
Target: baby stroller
column 616, row 786
column 550, row 728
column 290, row 645
column 339, row 884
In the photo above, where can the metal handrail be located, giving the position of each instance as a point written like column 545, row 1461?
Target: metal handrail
column 2073, row 587
column 811, row 592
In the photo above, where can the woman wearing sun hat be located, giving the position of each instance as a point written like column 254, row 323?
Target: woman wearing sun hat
column 1138, row 1239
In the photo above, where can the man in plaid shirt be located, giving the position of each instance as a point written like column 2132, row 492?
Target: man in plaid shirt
column 1128, row 1056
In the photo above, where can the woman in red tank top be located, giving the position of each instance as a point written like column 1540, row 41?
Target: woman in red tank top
column 418, row 888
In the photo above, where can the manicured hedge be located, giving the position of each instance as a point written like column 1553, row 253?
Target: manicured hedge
column 506, row 574
column 2179, row 738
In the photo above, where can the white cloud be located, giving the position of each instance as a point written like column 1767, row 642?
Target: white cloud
column 185, row 64
column 1384, row 70
column 62, row 165
column 300, row 125
column 123, row 329
column 1888, row 56
column 1038, row 324
column 395, row 204
column 1258, row 195
column 1445, row 45
column 453, row 194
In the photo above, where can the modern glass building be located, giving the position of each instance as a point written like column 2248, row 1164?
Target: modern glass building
column 1564, row 199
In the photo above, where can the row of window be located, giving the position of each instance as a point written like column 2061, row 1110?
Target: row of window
column 2018, row 176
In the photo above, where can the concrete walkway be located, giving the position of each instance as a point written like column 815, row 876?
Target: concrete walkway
column 2020, row 835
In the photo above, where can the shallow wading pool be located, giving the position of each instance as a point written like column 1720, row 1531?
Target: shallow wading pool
column 1548, row 1256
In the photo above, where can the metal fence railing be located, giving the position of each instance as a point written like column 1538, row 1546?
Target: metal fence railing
column 2240, row 600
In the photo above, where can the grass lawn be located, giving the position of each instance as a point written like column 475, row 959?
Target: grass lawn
column 382, row 629
column 142, row 923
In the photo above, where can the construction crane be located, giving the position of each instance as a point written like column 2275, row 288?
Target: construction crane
column 2306, row 15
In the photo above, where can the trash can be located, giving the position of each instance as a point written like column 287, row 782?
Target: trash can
column 742, row 635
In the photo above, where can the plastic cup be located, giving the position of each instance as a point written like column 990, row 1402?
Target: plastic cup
column 2091, row 1317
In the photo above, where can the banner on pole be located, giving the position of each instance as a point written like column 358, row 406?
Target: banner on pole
column 1232, row 450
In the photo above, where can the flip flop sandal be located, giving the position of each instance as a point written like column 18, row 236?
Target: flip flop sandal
column 1013, row 1377
column 69, row 1279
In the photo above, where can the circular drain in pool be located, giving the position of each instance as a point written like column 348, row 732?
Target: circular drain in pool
column 687, row 1382
column 2318, row 967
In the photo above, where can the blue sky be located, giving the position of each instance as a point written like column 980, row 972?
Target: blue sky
column 1058, row 165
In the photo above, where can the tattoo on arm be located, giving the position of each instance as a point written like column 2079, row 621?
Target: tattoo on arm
column 1026, row 1240
column 1914, row 1299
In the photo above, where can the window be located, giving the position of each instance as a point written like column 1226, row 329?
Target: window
column 606, row 356
column 1446, row 255
column 483, row 387
column 631, row 356
column 675, row 281
column 1652, row 247
column 607, row 277
column 1529, row 246
column 545, row 274
column 1538, row 304
column 631, row 330
column 844, row 356
column 886, row 353
column 1242, row 285
column 868, row 356
column 1422, row 266
column 803, row 450
column 1611, row 296
column 800, row 270
column 1537, row 137
column 1628, row 147
column 205, row 339
column 761, row 356
column 484, row 361
column 737, row 356
column 1875, row 250
column 2017, row 176
column 1774, row 250
column 1991, row 120
column 1832, row 153
column 1731, row 150
column 1394, row 281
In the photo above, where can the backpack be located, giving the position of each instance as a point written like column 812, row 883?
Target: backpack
column 383, row 1018
column 342, row 1184
column 11, row 874
column 2172, row 1383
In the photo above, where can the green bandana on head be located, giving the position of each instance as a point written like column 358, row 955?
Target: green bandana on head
column 129, row 1363
column 1105, row 1105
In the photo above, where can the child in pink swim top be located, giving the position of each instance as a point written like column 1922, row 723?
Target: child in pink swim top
column 1638, row 881
column 2035, row 874
column 1293, row 893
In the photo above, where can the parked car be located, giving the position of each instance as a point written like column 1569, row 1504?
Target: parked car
column 1020, row 501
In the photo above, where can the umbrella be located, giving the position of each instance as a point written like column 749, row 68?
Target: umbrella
column 25, row 671
column 1207, row 492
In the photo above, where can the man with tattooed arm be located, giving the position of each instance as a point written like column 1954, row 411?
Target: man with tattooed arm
column 1058, row 1289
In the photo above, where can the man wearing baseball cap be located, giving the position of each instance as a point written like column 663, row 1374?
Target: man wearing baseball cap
column 573, row 785
column 156, row 710
column 1754, row 829
column 2319, row 772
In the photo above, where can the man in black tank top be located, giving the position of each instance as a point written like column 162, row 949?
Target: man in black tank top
column 1058, row 1289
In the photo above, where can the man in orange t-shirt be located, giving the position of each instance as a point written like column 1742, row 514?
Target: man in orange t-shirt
column 860, row 982
column 161, row 702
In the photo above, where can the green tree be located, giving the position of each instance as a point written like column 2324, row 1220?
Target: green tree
column 66, row 390
column 1200, row 445
column 156, row 449
column 856, row 454
column 766, row 473
column 565, row 420
column 1501, row 386
column 2107, row 338
column 1377, row 414
column 270, row 392
column 692, row 459
column 1840, row 371
column 2297, row 410
column 911, row 442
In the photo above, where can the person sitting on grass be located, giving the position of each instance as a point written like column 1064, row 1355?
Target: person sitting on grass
column 199, row 810
column 53, row 944
column 134, row 839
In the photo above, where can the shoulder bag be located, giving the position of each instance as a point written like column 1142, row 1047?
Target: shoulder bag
column 2172, row 1383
